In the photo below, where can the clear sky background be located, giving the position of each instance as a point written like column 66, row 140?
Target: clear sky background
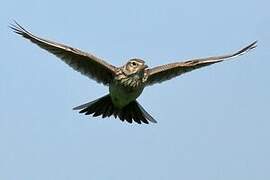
column 213, row 123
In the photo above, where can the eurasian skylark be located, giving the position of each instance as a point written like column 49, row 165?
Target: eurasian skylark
column 126, row 83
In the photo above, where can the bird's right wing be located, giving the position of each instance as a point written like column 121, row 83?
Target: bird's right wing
column 166, row 72
column 85, row 63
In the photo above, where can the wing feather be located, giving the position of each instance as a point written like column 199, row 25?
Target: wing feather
column 83, row 62
column 166, row 72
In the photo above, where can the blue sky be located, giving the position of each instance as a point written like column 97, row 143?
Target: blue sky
column 213, row 123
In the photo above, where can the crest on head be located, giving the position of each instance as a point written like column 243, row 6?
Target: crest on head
column 134, row 65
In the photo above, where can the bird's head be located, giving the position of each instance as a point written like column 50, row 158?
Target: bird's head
column 134, row 66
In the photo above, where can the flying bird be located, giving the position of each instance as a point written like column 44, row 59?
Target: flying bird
column 126, row 83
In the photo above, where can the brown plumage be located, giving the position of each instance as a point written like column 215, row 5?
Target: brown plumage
column 126, row 83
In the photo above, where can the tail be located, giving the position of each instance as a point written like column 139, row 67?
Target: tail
column 105, row 108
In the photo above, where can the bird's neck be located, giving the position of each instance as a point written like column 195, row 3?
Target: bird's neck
column 131, row 80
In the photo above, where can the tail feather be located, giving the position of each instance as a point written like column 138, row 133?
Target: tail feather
column 104, row 107
column 85, row 105
column 146, row 114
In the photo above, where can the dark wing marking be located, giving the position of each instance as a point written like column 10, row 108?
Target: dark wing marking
column 85, row 63
column 166, row 72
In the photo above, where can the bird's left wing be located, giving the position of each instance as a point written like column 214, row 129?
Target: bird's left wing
column 166, row 72
column 85, row 63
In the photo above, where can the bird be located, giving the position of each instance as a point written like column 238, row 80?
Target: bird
column 127, row 82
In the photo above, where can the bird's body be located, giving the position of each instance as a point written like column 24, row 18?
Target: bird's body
column 126, row 87
column 121, row 95
column 126, row 83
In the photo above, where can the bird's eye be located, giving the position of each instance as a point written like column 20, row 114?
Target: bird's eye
column 134, row 64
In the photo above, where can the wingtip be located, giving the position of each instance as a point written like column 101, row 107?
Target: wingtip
column 13, row 23
column 251, row 46
column 15, row 26
column 246, row 49
column 254, row 44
